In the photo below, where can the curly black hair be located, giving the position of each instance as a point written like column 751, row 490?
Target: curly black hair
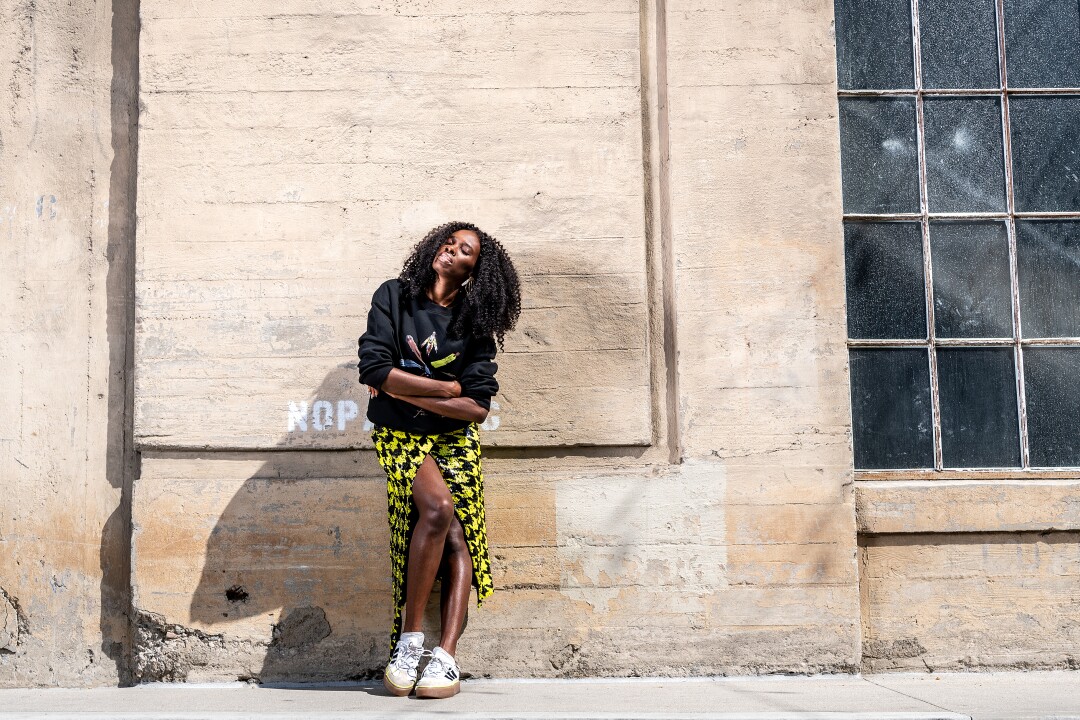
column 492, row 298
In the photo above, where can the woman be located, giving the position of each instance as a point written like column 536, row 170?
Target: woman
column 428, row 359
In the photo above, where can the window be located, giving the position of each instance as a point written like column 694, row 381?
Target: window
column 960, row 161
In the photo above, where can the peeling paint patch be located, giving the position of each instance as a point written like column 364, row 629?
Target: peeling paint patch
column 300, row 627
column 13, row 625
column 900, row 648
column 166, row 652
column 569, row 659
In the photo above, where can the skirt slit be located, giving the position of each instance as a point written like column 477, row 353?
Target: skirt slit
column 457, row 454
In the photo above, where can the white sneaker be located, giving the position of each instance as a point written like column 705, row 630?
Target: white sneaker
column 441, row 678
column 400, row 674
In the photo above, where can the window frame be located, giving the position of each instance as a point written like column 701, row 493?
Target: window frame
column 924, row 217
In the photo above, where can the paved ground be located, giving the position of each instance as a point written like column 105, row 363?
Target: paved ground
column 924, row 696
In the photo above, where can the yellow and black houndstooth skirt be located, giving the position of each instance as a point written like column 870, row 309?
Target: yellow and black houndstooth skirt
column 457, row 453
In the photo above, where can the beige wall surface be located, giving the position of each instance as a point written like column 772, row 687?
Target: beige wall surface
column 668, row 467
column 65, row 262
column 969, row 574
column 291, row 155
column 675, row 298
column 758, row 276
column 959, row 602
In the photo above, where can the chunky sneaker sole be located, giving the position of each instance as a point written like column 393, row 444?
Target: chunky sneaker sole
column 439, row 692
column 395, row 689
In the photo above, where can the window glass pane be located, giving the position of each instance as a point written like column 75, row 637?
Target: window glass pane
column 874, row 44
column 878, row 155
column 965, row 163
column 890, row 409
column 1046, row 153
column 977, row 390
column 1048, row 265
column 1053, row 396
column 1042, row 43
column 959, row 43
column 885, row 294
column 971, row 279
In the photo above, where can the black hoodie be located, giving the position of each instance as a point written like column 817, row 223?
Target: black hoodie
column 412, row 335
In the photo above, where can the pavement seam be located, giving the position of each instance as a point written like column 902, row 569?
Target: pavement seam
column 912, row 697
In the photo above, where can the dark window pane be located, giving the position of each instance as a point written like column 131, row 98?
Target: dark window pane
column 971, row 279
column 1053, row 395
column 1048, row 265
column 965, row 163
column 873, row 44
column 1046, row 157
column 979, row 425
column 878, row 155
column 1046, row 153
column 890, row 409
column 885, row 294
column 959, row 43
column 1042, row 43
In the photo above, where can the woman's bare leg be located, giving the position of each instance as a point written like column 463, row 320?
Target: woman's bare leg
column 457, row 580
column 436, row 510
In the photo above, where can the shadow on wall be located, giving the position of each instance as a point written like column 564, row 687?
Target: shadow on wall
column 115, row 550
column 305, row 534
column 296, row 582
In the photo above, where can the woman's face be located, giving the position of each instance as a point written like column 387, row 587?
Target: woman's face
column 456, row 258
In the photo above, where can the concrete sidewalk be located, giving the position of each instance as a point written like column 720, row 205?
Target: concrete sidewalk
column 923, row 696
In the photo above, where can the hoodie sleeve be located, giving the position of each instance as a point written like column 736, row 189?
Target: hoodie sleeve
column 478, row 378
column 378, row 345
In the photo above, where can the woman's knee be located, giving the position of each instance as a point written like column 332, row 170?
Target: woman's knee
column 432, row 497
column 437, row 513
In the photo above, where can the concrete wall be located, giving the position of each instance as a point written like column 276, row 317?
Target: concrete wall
column 66, row 228
column 671, row 466
column 966, row 574
column 970, row 601
column 668, row 466
column 290, row 155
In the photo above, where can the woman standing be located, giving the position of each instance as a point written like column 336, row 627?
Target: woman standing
column 427, row 357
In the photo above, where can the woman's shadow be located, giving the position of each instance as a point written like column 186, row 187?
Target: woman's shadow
column 297, row 567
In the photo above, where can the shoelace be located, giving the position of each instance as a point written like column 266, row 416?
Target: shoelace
column 436, row 665
column 409, row 657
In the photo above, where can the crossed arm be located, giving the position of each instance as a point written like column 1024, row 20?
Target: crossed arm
column 442, row 397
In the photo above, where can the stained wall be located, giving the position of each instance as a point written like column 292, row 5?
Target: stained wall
column 669, row 462
column 67, row 73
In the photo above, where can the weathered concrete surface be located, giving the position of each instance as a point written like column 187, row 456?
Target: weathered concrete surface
column 652, row 289
column 940, row 506
column 944, row 602
column 290, row 156
column 960, row 574
column 669, row 478
column 759, row 280
column 66, row 72
column 595, row 574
